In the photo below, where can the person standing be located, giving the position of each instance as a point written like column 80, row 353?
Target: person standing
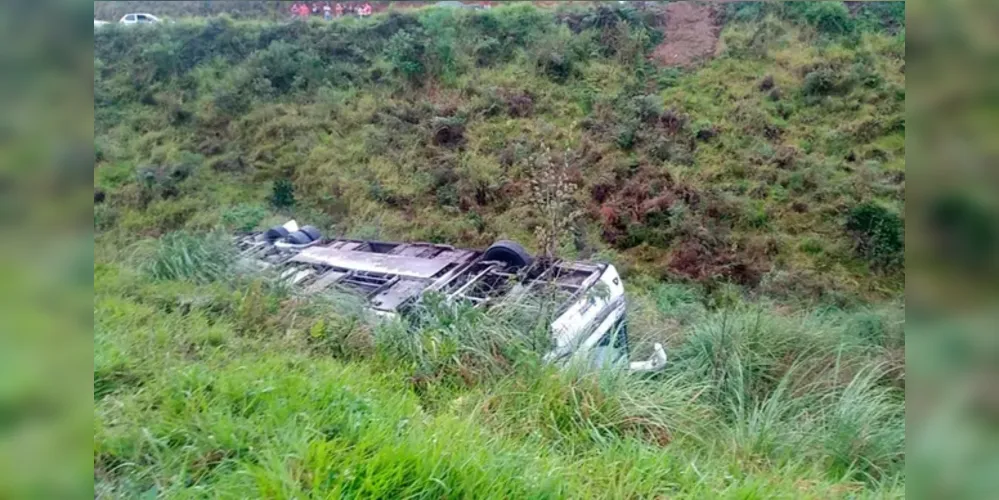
column 339, row 9
column 327, row 11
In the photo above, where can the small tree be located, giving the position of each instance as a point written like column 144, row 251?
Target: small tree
column 283, row 193
column 553, row 200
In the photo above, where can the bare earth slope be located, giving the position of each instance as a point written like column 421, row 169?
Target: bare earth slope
column 691, row 34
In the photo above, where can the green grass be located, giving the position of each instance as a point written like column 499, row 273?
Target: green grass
column 735, row 197
column 191, row 401
column 197, row 122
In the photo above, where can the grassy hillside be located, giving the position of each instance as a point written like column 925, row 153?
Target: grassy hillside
column 753, row 201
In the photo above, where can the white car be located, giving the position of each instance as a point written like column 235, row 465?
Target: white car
column 139, row 19
column 98, row 24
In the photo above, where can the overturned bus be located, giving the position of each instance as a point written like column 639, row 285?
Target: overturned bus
column 589, row 323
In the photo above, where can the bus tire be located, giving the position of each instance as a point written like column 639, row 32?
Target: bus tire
column 298, row 238
column 275, row 233
column 508, row 252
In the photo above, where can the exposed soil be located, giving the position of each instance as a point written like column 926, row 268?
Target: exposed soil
column 691, row 34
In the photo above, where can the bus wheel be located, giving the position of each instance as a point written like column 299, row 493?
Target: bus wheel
column 508, row 252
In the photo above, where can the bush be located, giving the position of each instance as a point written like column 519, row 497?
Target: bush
column 231, row 98
column 164, row 181
column 105, row 217
column 488, row 52
column 648, row 107
column 829, row 17
column 283, row 194
column 557, row 66
column 872, row 16
column 406, row 52
column 626, row 135
column 823, row 82
column 878, row 235
column 283, row 67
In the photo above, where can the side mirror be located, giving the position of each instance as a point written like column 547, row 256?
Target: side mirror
column 654, row 364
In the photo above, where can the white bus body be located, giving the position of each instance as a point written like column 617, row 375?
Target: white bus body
column 590, row 316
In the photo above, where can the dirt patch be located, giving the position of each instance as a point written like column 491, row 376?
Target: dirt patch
column 691, row 34
column 707, row 259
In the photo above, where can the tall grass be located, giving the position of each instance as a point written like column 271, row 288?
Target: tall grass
column 798, row 387
column 245, row 393
column 181, row 255
column 454, row 344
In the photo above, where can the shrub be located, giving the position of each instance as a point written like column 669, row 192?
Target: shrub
column 282, row 67
column 742, row 11
column 873, row 16
column 820, row 82
column 283, row 193
column 667, row 77
column 626, row 135
column 448, row 131
column 829, row 17
column 105, row 217
column 406, row 51
column 704, row 130
column 163, row 181
column 648, row 107
column 825, row 82
column 557, row 66
column 231, row 98
column 488, row 51
column 878, row 235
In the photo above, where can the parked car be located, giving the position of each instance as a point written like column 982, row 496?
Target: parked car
column 589, row 321
column 139, row 19
column 98, row 24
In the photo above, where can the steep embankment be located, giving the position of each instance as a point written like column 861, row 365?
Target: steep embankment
column 778, row 163
column 772, row 170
